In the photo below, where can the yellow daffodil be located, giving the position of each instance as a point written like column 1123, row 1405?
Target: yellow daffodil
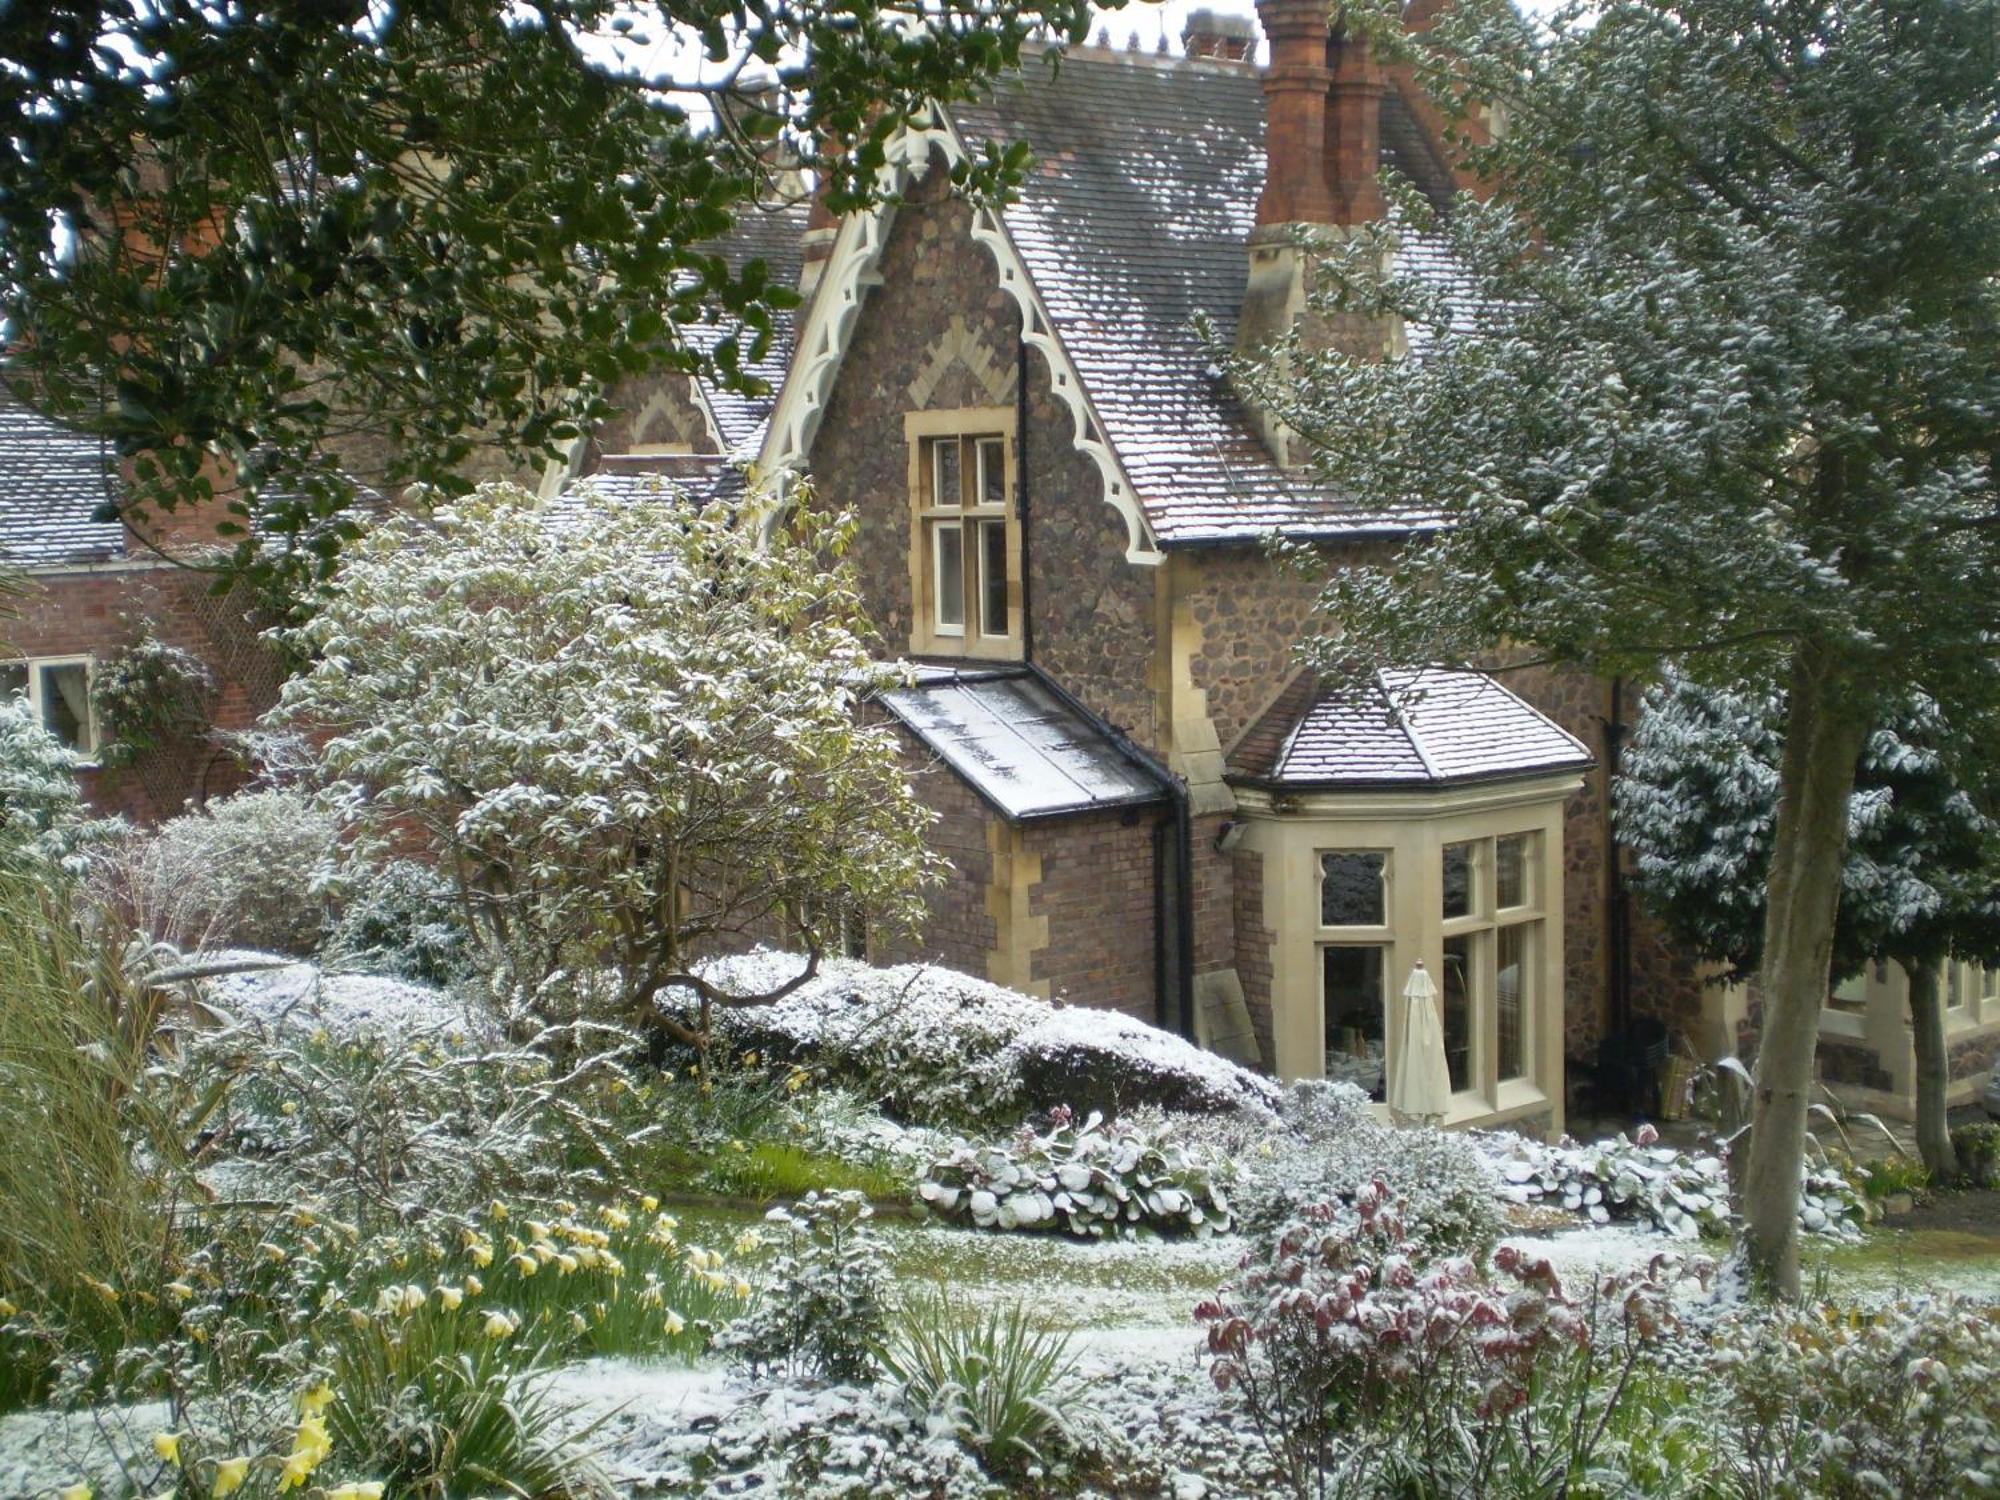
column 750, row 1059
column 311, row 1403
column 740, row 1287
column 616, row 1217
column 749, row 1242
column 796, row 1081
column 7, row 1309
column 537, row 1230
column 526, row 1264
column 289, row 1107
column 474, row 1286
column 75, row 1492
column 565, row 1263
column 675, row 1323
column 500, row 1325
column 181, row 1290
column 277, row 1255
column 297, row 1470
column 168, row 1446
column 579, row 1323
column 612, row 1265
column 229, row 1476
column 449, row 1298
column 499, row 1209
column 482, row 1254
column 649, row 1204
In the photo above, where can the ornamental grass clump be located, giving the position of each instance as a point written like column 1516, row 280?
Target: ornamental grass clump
column 1001, row 1383
column 1089, row 1180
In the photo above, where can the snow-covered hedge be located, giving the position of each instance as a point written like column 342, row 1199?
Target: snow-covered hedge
column 1091, row 1180
column 939, row 1048
column 1681, row 1193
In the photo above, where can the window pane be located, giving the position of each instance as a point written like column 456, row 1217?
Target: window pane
column 13, row 679
column 950, row 544
column 66, row 704
column 992, row 472
column 1458, row 986
column 993, row 577
column 1350, row 890
column 1352, row 994
column 1510, row 871
column 1513, row 983
column 1457, row 880
column 945, row 482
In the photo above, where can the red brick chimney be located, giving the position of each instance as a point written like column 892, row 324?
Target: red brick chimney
column 1296, row 84
column 1354, row 131
column 1218, row 37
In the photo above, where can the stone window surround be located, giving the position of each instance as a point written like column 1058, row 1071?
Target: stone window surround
column 1292, row 830
column 1876, row 1015
column 921, row 430
column 33, row 666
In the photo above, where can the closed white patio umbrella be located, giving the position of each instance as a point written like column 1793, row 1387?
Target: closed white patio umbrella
column 1419, row 1079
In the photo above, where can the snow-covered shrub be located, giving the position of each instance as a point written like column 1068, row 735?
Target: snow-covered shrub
column 1978, row 1149
column 1002, row 1385
column 822, row 1311
column 1362, row 1362
column 1681, row 1193
column 1090, row 1180
column 1332, row 1148
column 44, row 826
column 401, row 918
column 149, row 695
column 401, row 1109
column 1900, row 1401
column 247, row 871
column 621, row 729
column 935, row 1047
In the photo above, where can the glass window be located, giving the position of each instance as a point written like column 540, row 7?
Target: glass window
column 992, row 472
column 66, row 704
column 946, row 485
column 1510, row 872
column 1458, row 992
column 13, row 679
column 993, row 577
column 949, row 541
column 1513, row 977
column 1352, row 997
column 1351, row 889
column 1457, row 881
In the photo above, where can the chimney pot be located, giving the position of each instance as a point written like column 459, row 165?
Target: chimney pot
column 1224, row 38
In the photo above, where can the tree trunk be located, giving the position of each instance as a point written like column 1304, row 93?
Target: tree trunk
column 1824, row 732
column 1927, row 1035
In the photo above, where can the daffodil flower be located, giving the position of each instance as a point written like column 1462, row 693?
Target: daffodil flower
column 649, row 1204
column 449, row 1297
column 75, row 1492
column 526, row 1264
column 616, row 1217
column 675, row 1324
column 311, row 1403
column 500, row 1325
column 230, row 1474
column 168, row 1446
column 7, row 1309
column 474, row 1286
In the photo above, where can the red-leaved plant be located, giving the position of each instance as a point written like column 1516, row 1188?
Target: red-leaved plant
column 1362, row 1366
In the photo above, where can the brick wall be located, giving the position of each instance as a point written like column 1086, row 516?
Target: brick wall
column 1092, row 611
column 958, row 931
column 1253, row 947
column 98, row 613
column 1097, row 892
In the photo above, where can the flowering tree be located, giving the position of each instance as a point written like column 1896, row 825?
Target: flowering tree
column 626, row 732
column 1718, row 381
column 1921, row 881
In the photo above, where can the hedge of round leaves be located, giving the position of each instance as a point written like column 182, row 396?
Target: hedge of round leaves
column 1090, row 1180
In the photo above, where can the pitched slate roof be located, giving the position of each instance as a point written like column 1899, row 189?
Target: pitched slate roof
column 54, row 481
column 1133, row 225
column 1025, row 749
column 1415, row 728
column 774, row 235
column 702, row 476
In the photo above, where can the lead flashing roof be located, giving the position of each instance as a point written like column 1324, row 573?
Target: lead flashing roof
column 1023, row 748
column 1425, row 728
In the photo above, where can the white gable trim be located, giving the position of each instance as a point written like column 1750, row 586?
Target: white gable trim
column 836, row 308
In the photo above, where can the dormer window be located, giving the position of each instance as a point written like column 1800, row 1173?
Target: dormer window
column 964, row 541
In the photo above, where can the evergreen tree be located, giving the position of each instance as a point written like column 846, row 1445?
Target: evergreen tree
column 1697, row 805
column 1718, row 381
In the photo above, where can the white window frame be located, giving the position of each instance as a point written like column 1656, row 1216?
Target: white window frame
column 983, row 440
column 1482, row 924
column 87, row 752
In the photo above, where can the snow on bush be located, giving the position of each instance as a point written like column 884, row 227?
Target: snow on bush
column 1684, row 1194
column 1091, row 1180
column 823, row 1310
column 940, row 1048
column 1333, row 1148
column 248, row 871
column 402, row 919
column 301, row 998
column 44, row 825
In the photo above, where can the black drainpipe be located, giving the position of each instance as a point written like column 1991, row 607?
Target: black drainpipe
column 1617, row 914
column 1021, row 481
column 1184, row 928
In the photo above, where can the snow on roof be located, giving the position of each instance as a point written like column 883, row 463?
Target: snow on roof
column 1415, row 727
column 773, row 234
column 55, row 482
column 703, row 477
column 1020, row 746
column 1134, row 225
